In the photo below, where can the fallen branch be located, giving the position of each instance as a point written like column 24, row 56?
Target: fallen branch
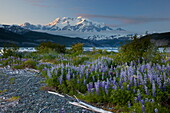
column 33, row 70
column 94, row 108
column 42, row 109
column 56, row 93
column 78, row 104
column 82, row 104
column 87, row 106
column 69, row 96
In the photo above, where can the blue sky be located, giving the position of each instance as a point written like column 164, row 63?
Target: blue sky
column 132, row 15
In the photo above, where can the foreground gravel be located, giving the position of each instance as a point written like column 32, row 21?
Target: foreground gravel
column 26, row 85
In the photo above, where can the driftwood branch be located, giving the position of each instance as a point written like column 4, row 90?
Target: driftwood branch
column 82, row 104
column 56, row 93
column 42, row 109
column 87, row 106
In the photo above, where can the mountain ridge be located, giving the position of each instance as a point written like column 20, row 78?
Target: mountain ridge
column 69, row 24
column 32, row 39
column 26, row 38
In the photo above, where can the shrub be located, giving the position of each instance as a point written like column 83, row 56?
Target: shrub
column 30, row 64
column 77, row 48
column 61, row 48
column 10, row 50
column 81, row 60
column 138, row 50
column 45, row 47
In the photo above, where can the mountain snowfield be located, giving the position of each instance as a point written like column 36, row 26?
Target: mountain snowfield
column 79, row 27
column 70, row 24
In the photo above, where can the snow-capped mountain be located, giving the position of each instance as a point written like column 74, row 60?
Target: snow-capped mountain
column 70, row 24
column 73, row 27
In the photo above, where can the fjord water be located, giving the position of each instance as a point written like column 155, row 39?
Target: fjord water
column 109, row 49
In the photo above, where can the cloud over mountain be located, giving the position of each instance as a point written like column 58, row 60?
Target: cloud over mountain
column 127, row 20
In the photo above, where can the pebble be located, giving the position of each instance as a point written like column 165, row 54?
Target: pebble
column 31, row 99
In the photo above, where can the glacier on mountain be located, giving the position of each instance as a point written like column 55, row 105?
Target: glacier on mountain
column 70, row 24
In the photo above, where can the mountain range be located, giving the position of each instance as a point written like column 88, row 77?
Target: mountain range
column 68, row 31
column 70, row 24
column 78, row 27
column 27, row 38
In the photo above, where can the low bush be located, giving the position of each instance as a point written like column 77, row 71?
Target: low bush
column 30, row 64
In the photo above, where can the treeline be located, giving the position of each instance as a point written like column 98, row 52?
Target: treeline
column 137, row 49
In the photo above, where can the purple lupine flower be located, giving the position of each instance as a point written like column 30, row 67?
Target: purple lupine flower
column 114, row 80
column 103, row 84
column 135, row 99
column 73, row 76
column 143, row 108
column 87, row 73
column 52, row 69
column 150, row 77
column 120, row 82
column 153, row 89
column 84, row 82
column 49, row 73
column 142, row 101
column 93, row 77
column 156, row 110
column 68, row 76
column 115, row 87
column 139, row 95
column 100, row 70
column 128, row 87
column 142, row 68
column 146, row 90
column 129, row 104
column 107, row 82
column 131, row 80
column 131, row 63
column 62, row 70
column 135, row 84
column 134, row 90
column 117, row 74
column 148, row 66
column 81, row 75
column 60, row 79
column 102, row 76
column 56, row 71
column 106, row 89
column 23, row 60
column 78, row 81
column 158, row 81
column 110, row 78
column 164, row 86
column 122, row 87
column 89, row 86
column 96, row 84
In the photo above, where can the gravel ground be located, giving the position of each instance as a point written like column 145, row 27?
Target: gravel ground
column 26, row 85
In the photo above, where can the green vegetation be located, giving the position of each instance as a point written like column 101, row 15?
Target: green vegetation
column 77, row 48
column 12, row 80
column 3, row 91
column 10, row 50
column 13, row 98
column 46, row 47
column 139, row 50
column 134, row 80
